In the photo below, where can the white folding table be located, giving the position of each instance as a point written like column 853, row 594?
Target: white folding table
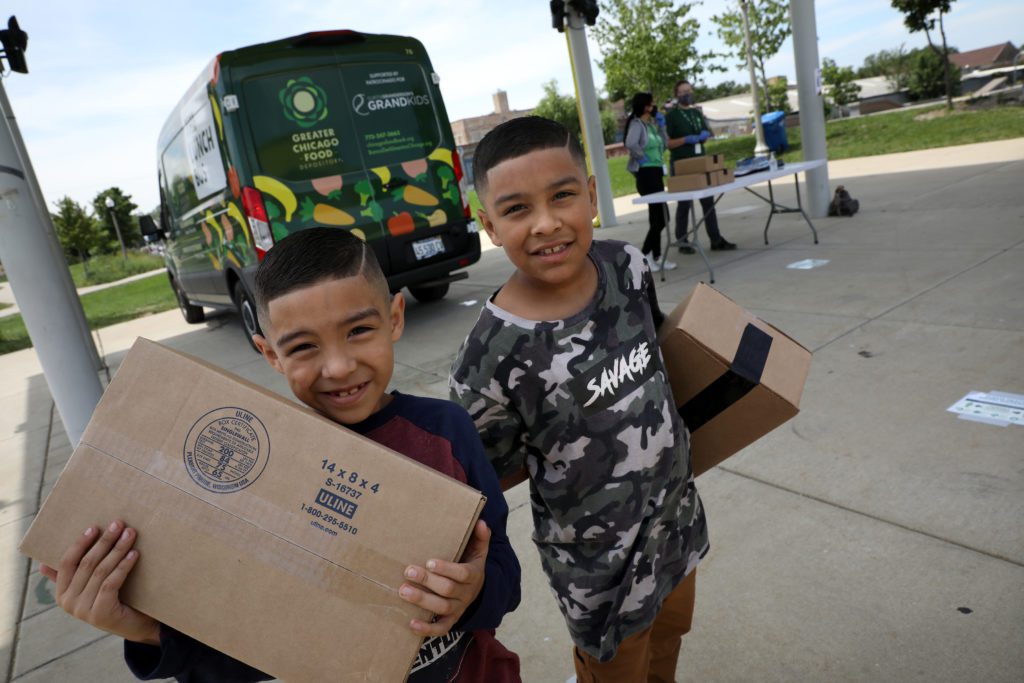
column 718, row 191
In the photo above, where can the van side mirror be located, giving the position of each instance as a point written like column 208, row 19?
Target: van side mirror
column 149, row 229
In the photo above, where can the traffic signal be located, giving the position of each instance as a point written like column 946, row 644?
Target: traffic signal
column 558, row 15
column 588, row 9
column 15, row 41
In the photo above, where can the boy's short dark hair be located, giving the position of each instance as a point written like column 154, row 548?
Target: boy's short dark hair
column 518, row 137
column 310, row 256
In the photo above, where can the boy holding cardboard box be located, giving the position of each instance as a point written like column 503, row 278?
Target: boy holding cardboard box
column 563, row 378
column 329, row 327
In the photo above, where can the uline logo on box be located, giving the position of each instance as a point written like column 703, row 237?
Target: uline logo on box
column 226, row 450
column 332, row 501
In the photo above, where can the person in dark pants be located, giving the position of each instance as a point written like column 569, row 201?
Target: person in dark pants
column 687, row 132
column 646, row 143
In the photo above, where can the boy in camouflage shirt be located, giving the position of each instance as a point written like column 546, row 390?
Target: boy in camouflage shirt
column 564, row 379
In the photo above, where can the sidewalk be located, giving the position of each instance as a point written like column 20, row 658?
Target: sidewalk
column 875, row 537
column 7, row 295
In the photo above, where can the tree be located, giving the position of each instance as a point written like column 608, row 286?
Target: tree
column 775, row 97
column 893, row 64
column 769, row 28
column 839, row 82
column 123, row 210
column 921, row 15
column 928, row 76
column 648, row 45
column 562, row 108
column 703, row 93
column 80, row 234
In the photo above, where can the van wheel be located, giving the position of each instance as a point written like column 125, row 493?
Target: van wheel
column 193, row 314
column 247, row 310
column 427, row 294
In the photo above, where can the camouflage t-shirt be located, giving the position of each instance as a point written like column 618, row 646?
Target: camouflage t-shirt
column 584, row 403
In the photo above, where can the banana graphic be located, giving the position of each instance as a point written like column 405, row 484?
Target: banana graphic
column 384, row 172
column 443, row 155
column 243, row 224
column 213, row 223
column 216, row 115
column 279, row 191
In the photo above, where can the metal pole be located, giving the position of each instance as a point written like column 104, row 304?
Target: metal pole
column 117, row 228
column 45, row 307
column 62, row 274
column 760, row 149
column 812, row 112
column 590, row 118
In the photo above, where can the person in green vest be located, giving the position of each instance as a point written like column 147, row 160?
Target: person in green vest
column 687, row 132
column 645, row 140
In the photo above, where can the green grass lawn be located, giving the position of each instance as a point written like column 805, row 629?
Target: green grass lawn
column 903, row 131
column 102, row 308
column 111, row 267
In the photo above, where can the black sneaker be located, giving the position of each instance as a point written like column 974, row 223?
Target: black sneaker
column 685, row 248
column 723, row 245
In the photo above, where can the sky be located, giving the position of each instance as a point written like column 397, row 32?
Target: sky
column 103, row 76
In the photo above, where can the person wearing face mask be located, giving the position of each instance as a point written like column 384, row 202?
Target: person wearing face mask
column 687, row 131
column 645, row 140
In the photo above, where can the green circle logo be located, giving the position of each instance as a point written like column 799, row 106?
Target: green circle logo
column 304, row 102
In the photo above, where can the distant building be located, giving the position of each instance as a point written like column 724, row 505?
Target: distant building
column 985, row 58
column 470, row 131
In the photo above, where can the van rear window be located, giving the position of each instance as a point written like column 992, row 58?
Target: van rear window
column 336, row 120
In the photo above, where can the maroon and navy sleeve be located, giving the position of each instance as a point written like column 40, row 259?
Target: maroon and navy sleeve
column 501, row 591
column 187, row 661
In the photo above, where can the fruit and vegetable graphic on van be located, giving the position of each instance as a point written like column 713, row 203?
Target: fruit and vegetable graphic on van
column 335, row 128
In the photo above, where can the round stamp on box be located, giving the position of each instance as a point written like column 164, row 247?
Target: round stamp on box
column 226, row 450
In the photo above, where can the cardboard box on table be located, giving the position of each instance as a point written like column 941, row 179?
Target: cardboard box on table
column 734, row 377
column 265, row 530
column 698, row 181
column 690, row 181
column 701, row 164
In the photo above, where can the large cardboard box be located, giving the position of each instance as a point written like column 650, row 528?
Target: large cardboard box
column 265, row 530
column 701, row 164
column 690, row 181
column 734, row 377
column 723, row 176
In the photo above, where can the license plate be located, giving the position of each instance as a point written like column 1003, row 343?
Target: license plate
column 424, row 249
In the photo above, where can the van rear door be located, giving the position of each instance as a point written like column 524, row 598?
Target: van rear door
column 308, row 162
column 406, row 142
column 359, row 145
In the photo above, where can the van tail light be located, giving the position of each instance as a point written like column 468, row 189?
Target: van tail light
column 463, row 190
column 259, row 225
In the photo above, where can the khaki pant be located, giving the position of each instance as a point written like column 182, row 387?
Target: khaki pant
column 649, row 656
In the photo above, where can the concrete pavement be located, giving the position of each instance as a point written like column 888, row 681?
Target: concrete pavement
column 876, row 537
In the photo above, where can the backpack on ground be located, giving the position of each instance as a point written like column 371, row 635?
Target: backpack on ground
column 843, row 204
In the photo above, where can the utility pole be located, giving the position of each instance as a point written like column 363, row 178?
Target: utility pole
column 812, row 113
column 572, row 16
column 34, row 270
column 109, row 201
column 760, row 149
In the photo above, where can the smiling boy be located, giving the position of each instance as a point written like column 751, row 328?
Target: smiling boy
column 330, row 325
column 563, row 378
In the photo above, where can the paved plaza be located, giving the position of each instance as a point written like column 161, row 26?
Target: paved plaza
column 875, row 537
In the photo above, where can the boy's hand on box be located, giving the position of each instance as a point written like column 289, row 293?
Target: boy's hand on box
column 447, row 588
column 89, row 579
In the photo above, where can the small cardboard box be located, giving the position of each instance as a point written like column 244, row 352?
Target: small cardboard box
column 701, row 164
column 734, row 377
column 265, row 530
column 723, row 176
column 690, row 181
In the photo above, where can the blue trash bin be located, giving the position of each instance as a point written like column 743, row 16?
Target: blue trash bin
column 774, row 124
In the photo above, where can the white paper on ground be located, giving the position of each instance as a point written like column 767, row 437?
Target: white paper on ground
column 807, row 264
column 993, row 407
